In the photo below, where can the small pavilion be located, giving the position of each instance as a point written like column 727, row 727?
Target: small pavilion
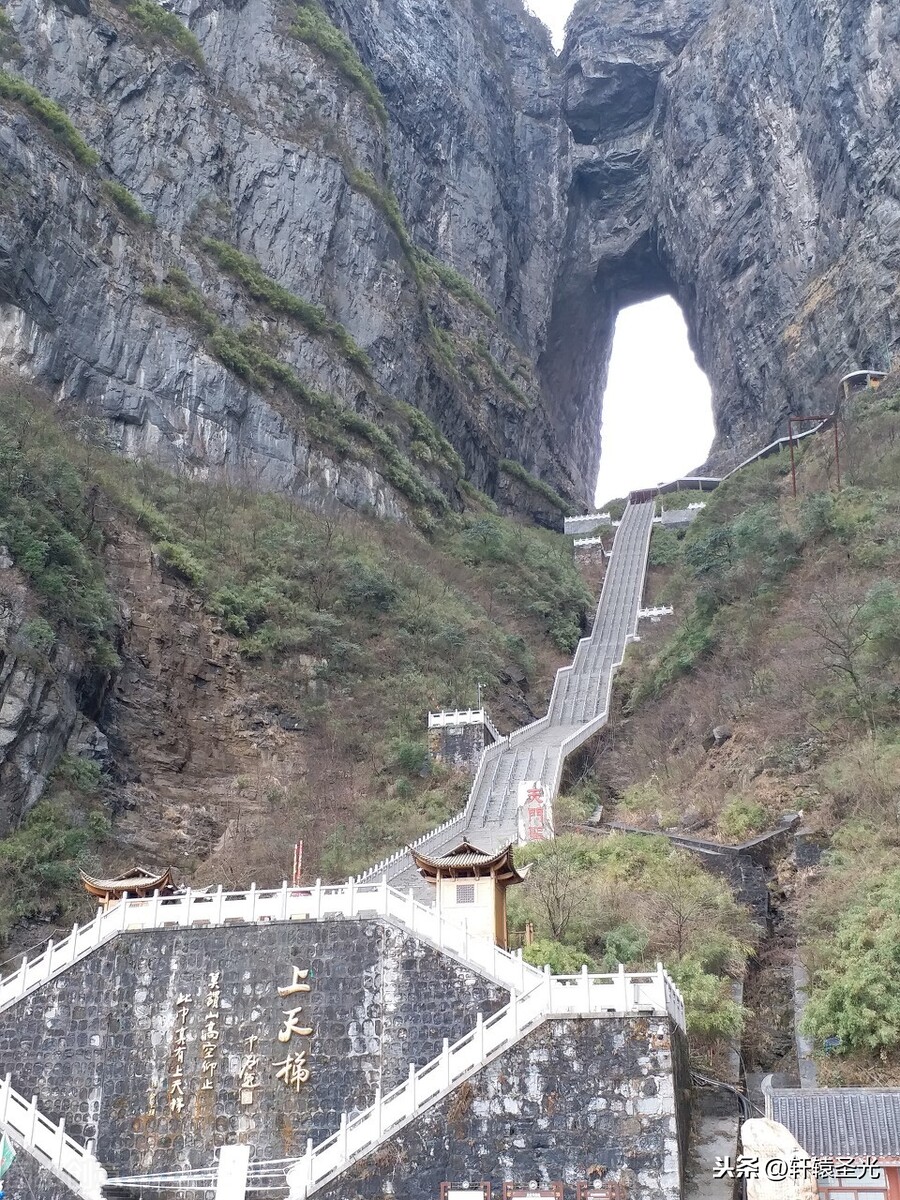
column 470, row 886
column 137, row 883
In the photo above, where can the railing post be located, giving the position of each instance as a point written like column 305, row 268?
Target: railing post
column 622, row 987
column 548, row 989
column 309, row 1146
column 411, row 909
column 379, row 1112
column 59, row 1142
column 23, row 973
column 342, row 1142
column 154, row 911
column 218, row 910
column 411, row 1088
column 48, row 965
column 318, row 904
column 73, row 940
column 188, row 905
column 586, row 988
column 351, row 897
column 514, row 1011
column 445, row 1062
column 283, row 912
column 251, row 916
column 98, row 925
column 384, row 895
column 5, row 1089
column 31, row 1122
column 479, row 1035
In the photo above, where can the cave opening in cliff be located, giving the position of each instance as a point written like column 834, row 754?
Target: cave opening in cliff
column 657, row 406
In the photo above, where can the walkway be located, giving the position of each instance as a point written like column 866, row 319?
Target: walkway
column 579, row 707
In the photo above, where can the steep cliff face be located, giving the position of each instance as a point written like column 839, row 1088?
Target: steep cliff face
column 270, row 135
column 743, row 158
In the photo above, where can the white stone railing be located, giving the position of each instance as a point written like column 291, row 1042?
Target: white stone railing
column 621, row 994
column 655, row 613
column 576, row 524
column 193, row 909
column 459, row 716
column 71, row 1163
column 588, row 542
column 466, row 716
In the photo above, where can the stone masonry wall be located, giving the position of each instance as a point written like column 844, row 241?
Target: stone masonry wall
column 97, row 1044
column 573, row 1100
column 458, row 745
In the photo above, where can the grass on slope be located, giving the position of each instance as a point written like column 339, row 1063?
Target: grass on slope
column 50, row 115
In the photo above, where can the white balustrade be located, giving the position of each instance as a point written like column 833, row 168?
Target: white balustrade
column 585, row 995
column 49, row 1144
column 356, row 898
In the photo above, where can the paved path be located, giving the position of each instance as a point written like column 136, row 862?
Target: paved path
column 579, row 707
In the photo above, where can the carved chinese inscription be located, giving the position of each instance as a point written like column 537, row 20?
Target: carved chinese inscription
column 176, row 1079
column 248, row 1075
column 209, row 1039
column 293, row 1070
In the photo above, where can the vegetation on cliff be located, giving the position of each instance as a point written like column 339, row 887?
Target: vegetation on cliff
column 786, row 635
column 50, row 115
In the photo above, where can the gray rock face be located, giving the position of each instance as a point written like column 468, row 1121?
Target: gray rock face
column 742, row 158
column 270, row 148
column 45, row 695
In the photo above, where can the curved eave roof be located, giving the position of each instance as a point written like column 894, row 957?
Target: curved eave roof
column 134, row 881
column 469, row 861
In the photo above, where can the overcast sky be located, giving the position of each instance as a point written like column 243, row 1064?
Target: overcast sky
column 657, row 422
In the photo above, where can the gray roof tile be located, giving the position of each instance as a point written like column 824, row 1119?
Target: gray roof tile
column 841, row 1121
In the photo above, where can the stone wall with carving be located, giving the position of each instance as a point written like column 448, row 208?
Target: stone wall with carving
column 99, row 1044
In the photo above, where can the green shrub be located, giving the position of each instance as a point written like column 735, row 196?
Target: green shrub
column 50, row 115
column 10, row 47
column 712, row 1012
column 79, row 773
column 47, row 522
column 160, row 27
column 665, row 547
column 126, row 203
column 741, row 817
column 561, row 959
column 409, row 756
column 39, row 864
column 182, row 562
column 384, row 199
column 38, row 635
column 516, row 471
column 854, row 994
column 313, row 26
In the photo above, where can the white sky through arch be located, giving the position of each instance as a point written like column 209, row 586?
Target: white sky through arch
column 657, row 415
column 657, row 420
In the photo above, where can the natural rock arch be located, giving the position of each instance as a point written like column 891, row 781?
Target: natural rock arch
column 734, row 157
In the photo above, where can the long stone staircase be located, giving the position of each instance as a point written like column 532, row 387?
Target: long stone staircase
column 579, row 706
